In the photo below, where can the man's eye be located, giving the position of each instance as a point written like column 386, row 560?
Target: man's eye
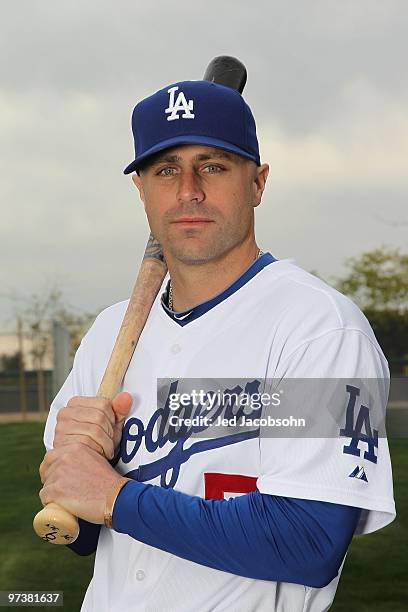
column 167, row 171
column 213, row 168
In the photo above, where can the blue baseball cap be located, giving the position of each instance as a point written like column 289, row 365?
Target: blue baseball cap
column 193, row 112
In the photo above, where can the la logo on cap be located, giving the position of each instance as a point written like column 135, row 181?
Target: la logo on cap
column 181, row 104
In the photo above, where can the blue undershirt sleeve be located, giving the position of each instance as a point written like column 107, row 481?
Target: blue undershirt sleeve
column 87, row 541
column 254, row 535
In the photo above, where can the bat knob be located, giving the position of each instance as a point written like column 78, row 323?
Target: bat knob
column 228, row 71
column 56, row 525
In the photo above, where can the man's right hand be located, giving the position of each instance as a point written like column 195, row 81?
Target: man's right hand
column 94, row 421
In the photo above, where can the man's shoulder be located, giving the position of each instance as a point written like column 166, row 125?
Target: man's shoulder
column 112, row 314
column 106, row 325
column 305, row 311
column 301, row 296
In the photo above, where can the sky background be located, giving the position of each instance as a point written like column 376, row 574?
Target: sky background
column 327, row 85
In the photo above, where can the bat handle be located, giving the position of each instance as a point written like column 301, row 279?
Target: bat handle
column 56, row 525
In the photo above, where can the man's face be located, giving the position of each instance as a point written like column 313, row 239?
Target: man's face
column 200, row 201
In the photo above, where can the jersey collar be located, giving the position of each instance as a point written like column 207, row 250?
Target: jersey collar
column 182, row 318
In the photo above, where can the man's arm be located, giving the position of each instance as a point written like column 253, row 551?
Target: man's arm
column 256, row 535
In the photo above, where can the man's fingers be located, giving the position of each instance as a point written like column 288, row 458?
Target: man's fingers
column 106, row 450
column 121, row 405
column 44, row 467
column 84, row 403
column 48, row 465
column 77, row 478
column 88, row 434
column 67, row 417
column 89, row 422
column 93, row 421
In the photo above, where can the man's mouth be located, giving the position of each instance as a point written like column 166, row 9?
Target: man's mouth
column 192, row 220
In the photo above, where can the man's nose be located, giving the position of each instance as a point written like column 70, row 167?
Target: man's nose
column 190, row 188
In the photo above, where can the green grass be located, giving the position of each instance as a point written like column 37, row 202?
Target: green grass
column 373, row 578
column 27, row 563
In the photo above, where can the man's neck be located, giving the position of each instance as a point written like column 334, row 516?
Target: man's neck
column 194, row 284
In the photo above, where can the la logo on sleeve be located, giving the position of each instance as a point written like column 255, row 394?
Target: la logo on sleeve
column 354, row 428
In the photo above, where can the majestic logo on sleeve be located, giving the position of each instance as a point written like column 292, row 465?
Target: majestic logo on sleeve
column 354, row 428
column 359, row 473
column 178, row 105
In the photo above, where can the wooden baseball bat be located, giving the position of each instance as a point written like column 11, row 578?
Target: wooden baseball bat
column 53, row 523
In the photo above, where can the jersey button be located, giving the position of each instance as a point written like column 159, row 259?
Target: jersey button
column 176, row 348
column 140, row 575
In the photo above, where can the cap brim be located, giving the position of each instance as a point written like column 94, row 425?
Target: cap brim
column 180, row 140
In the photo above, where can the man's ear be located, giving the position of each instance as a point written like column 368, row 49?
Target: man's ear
column 260, row 176
column 138, row 184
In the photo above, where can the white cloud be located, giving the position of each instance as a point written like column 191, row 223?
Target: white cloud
column 363, row 141
column 326, row 85
column 62, row 156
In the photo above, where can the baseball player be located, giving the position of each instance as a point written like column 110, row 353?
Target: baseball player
column 194, row 512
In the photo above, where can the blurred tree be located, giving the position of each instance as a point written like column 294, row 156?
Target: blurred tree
column 391, row 330
column 37, row 312
column 10, row 363
column 378, row 282
column 77, row 324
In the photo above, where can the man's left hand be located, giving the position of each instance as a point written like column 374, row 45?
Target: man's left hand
column 77, row 478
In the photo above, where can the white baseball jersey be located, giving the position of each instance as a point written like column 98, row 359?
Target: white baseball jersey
column 277, row 322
